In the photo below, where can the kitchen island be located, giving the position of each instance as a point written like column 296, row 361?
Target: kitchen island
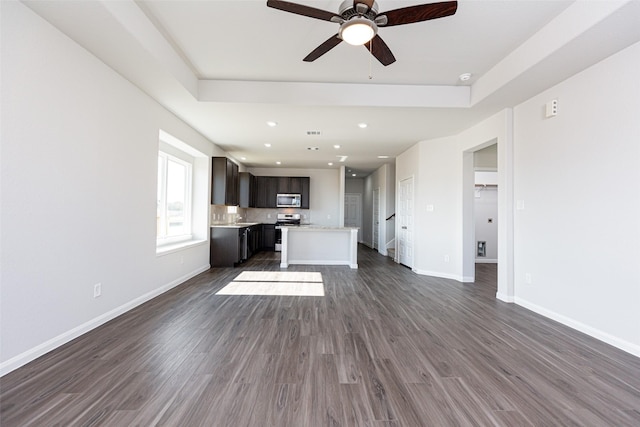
column 316, row 245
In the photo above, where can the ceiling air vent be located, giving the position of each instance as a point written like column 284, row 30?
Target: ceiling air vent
column 313, row 132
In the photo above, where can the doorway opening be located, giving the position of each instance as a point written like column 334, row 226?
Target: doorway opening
column 480, row 207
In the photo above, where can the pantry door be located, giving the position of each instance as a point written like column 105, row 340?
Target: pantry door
column 405, row 222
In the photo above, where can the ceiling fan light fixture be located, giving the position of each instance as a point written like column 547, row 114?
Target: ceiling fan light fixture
column 358, row 31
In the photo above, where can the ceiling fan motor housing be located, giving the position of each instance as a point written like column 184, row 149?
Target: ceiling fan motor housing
column 348, row 11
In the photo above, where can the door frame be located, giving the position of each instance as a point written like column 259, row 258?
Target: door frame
column 375, row 196
column 399, row 222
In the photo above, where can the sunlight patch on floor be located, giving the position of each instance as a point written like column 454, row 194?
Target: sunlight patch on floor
column 286, row 283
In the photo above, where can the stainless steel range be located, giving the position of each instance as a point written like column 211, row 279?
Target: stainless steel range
column 285, row 220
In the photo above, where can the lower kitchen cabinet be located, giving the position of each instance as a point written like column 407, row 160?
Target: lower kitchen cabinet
column 254, row 240
column 269, row 237
column 233, row 245
column 226, row 246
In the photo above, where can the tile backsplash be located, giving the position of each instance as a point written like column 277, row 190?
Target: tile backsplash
column 221, row 214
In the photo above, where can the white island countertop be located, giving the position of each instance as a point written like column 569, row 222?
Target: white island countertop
column 235, row 225
column 319, row 245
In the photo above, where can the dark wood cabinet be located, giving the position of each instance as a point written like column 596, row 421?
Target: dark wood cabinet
column 225, row 247
column 224, row 182
column 267, row 190
column 254, row 239
column 269, row 237
column 268, row 187
column 247, row 190
column 301, row 185
column 284, row 185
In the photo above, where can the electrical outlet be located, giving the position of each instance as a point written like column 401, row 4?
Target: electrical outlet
column 446, row 258
column 527, row 278
column 97, row 290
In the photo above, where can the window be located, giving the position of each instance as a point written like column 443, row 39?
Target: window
column 174, row 198
column 182, row 195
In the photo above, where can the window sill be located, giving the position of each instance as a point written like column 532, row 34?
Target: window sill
column 175, row 247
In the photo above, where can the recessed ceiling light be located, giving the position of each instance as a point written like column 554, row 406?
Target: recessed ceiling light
column 342, row 158
column 383, row 157
column 336, row 146
column 267, row 145
column 362, row 125
column 272, row 124
column 353, row 174
column 464, row 77
column 278, row 163
column 243, row 158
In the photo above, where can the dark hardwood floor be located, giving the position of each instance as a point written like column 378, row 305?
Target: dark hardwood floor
column 383, row 347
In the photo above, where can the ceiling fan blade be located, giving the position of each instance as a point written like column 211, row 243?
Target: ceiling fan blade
column 419, row 13
column 323, row 48
column 300, row 9
column 381, row 51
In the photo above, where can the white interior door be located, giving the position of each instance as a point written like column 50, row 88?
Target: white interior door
column 405, row 222
column 353, row 212
column 376, row 218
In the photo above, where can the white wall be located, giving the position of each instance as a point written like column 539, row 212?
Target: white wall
column 390, row 205
column 578, row 176
column 325, row 199
column 79, row 170
column 354, row 185
column 578, row 179
column 384, row 179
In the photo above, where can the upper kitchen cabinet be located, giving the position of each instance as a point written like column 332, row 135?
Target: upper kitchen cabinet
column 292, row 184
column 302, row 185
column 284, row 185
column 248, row 190
column 268, row 187
column 266, row 191
column 224, row 182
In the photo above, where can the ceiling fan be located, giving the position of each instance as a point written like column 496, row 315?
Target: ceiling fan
column 359, row 21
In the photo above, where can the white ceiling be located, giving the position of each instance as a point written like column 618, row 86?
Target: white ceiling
column 228, row 67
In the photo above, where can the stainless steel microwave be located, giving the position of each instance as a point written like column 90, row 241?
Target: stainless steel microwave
column 288, row 201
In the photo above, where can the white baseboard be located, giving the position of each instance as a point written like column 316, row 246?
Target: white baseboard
column 463, row 279
column 572, row 323
column 504, row 297
column 317, row 262
column 41, row 349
